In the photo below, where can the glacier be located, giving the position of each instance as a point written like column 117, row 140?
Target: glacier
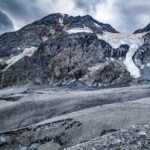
column 133, row 40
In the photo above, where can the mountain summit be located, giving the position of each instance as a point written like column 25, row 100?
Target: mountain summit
column 64, row 50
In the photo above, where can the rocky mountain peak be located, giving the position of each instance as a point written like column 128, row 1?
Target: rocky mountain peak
column 60, row 22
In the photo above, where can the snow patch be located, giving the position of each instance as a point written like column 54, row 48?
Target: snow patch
column 44, row 38
column 27, row 52
column 142, row 133
column 97, row 25
column 148, row 64
column 99, row 65
column 142, row 67
column 133, row 40
column 95, row 67
column 79, row 30
column 61, row 19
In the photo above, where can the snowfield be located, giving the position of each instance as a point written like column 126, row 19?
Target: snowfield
column 133, row 40
column 27, row 52
column 79, row 30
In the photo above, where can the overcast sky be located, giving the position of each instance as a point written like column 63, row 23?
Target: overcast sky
column 124, row 15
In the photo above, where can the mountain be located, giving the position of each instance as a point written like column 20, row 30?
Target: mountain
column 51, row 37
column 60, row 50
column 74, row 83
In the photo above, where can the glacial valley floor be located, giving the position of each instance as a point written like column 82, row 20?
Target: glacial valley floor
column 53, row 118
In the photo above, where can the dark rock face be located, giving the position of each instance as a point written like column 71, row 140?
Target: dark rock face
column 112, row 74
column 62, row 58
column 143, row 53
column 142, row 56
column 115, row 53
column 142, row 59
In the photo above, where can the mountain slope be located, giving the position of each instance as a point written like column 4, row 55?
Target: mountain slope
column 65, row 50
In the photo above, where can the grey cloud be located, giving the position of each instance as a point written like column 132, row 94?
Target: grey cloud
column 26, row 9
column 88, row 5
column 136, row 14
column 128, row 11
column 5, row 23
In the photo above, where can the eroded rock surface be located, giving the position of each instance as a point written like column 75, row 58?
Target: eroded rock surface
column 136, row 137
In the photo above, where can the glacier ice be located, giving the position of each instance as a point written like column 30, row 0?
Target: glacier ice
column 133, row 40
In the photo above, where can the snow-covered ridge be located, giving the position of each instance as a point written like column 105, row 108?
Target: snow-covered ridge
column 79, row 30
column 27, row 52
column 133, row 40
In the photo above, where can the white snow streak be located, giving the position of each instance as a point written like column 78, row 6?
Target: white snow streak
column 96, row 67
column 148, row 64
column 79, row 30
column 97, row 25
column 100, row 65
column 61, row 20
column 27, row 52
column 133, row 40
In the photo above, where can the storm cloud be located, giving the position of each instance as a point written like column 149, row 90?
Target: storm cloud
column 124, row 15
column 5, row 23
